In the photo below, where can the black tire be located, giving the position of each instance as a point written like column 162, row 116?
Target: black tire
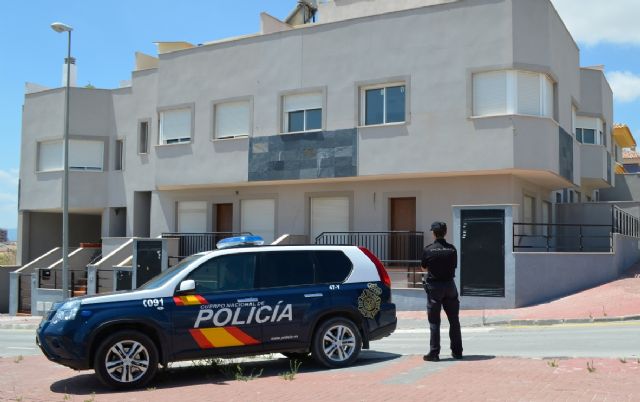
column 336, row 343
column 296, row 355
column 132, row 358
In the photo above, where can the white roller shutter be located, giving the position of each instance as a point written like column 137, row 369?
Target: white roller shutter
column 529, row 93
column 490, row 93
column 329, row 214
column 50, row 156
column 192, row 217
column 86, row 155
column 232, row 119
column 258, row 217
column 175, row 125
column 302, row 102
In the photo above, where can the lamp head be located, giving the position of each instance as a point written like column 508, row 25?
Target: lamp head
column 60, row 27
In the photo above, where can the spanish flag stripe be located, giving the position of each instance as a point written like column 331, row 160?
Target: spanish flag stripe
column 178, row 301
column 201, row 299
column 241, row 336
column 220, row 338
column 190, row 300
column 199, row 337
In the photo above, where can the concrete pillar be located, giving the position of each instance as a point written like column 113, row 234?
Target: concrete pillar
column 34, row 292
column 14, row 290
column 92, row 283
column 22, row 253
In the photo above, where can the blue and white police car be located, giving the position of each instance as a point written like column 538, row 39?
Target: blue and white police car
column 327, row 301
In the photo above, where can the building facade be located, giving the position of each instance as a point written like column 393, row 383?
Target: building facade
column 377, row 117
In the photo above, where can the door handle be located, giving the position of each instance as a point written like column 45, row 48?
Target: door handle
column 313, row 295
column 248, row 300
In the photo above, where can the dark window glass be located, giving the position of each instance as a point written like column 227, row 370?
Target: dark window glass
column 579, row 134
column 144, row 138
column 332, row 266
column 224, row 273
column 314, row 119
column 374, row 106
column 119, row 154
column 285, row 268
column 395, row 104
column 588, row 136
column 558, row 198
column 296, row 121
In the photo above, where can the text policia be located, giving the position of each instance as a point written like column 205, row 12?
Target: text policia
column 227, row 316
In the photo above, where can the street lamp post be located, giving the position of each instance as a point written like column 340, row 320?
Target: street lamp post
column 60, row 28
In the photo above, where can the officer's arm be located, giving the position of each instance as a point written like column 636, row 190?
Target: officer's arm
column 423, row 264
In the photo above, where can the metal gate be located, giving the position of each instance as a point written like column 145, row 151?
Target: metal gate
column 148, row 260
column 482, row 253
column 24, row 293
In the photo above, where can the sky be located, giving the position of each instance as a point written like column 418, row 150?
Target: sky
column 107, row 33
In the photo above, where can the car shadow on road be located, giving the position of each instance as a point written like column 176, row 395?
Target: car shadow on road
column 219, row 371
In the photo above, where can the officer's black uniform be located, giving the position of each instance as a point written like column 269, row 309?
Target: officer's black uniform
column 441, row 259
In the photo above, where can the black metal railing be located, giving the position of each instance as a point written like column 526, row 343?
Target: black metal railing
column 624, row 223
column 52, row 279
column 193, row 243
column 557, row 237
column 399, row 251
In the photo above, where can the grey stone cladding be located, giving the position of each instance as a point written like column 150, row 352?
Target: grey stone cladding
column 315, row 155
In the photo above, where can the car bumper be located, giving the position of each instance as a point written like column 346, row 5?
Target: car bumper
column 61, row 349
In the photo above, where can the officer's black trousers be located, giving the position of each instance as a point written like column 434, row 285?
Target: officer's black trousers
column 439, row 295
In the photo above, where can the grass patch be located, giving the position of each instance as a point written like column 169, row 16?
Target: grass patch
column 294, row 366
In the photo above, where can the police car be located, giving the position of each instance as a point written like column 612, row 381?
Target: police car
column 329, row 301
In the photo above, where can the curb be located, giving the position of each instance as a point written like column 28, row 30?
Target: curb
column 25, row 326
column 547, row 322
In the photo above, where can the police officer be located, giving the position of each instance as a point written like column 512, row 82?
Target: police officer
column 439, row 260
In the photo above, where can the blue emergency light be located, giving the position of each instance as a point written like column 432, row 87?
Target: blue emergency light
column 240, row 241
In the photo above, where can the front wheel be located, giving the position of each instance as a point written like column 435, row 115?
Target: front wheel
column 337, row 343
column 126, row 359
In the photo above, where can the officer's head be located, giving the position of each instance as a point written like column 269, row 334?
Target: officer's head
column 439, row 229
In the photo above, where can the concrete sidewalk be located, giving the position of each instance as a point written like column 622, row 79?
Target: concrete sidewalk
column 614, row 301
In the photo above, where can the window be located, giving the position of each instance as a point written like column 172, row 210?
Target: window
column 258, row 217
column 232, row 119
column 175, row 126
column 143, row 137
column 119, row 154
column 225, row 273
column 332, row 266
column 50, row 156
column 513, row 92
column 192, row 216
column 84, row 155
column 588, row 130
column 383, row 104
column 290, row 268
column 302, row 112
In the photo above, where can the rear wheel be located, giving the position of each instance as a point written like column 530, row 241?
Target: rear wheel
column 337, row 343
column 126, row 359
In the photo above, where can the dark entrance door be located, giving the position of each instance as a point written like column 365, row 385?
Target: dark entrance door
column 482, row 253
column 224, row 218
column 24, row 293
column 148, row 261
column 404, row 247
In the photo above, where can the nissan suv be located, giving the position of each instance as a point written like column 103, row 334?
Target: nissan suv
column 327, row 301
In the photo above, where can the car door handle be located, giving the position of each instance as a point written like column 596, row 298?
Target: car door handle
column 249, row 300
column 313, row 295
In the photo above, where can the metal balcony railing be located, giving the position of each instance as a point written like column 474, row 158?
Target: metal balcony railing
column 193, row 243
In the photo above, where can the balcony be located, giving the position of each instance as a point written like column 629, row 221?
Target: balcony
column 594, row 166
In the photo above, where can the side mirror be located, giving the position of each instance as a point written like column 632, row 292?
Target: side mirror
column 187, row 286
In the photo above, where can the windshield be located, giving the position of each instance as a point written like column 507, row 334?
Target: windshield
column 164, row 277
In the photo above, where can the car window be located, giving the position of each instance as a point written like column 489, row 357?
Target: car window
column 285, row 268
column 332, row 266
column 225, row 273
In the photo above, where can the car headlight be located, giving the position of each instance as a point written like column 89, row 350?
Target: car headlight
column 67, row 311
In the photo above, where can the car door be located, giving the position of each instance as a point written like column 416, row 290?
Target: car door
column 291, row 299
column 218, row 317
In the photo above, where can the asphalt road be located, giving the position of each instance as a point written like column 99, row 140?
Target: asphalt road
column 614, row 340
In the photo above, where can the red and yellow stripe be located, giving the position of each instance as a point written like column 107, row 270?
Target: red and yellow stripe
column 208, row 338
column 191, row 300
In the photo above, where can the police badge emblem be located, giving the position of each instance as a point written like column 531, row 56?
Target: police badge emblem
column 369, row 301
